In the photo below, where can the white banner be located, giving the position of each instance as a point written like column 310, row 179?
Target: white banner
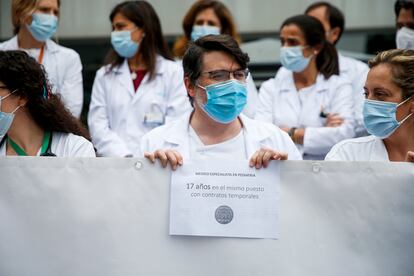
column 110, row 217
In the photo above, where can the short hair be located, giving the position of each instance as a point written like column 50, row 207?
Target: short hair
column 402, row 68
column 222, row 12
column 333, row 14
column 403, row 4
column 22, row 8
column 193, row 57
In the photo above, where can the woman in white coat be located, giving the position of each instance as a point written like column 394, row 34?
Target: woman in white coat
column 307, row 98
column 35, row 22
column 33, row 121
column 139, row 88
column 388, row 112
column 213, row 17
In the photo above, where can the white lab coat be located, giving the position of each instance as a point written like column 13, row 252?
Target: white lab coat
column 119, row 116
column 356, row 71
column 64, row 71
column 65, row 145
column 252, row 98
column 257, row 134
column 281, row 104
column 368, row 148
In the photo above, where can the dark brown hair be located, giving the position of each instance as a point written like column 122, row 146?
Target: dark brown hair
column 333, row 14
column 20, row 72
column 403, row 4
column 314, row 33
column 143, row 15
column 193, row 57
column 226, row 20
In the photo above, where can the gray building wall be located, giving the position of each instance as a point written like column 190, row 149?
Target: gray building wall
column 89, row 18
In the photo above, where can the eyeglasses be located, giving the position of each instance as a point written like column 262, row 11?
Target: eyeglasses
column 224, row 75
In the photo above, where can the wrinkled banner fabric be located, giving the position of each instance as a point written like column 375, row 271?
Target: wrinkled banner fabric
column 111, row 216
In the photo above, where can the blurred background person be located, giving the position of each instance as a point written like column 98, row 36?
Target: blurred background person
column 34, row 121
column 333, row 21
column 388, row 112
column 307, row 98
column 141, row 87
column 35, row 22
column 209, row 17
column 404, row 13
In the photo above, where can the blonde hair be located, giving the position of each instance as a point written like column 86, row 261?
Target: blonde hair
column 20, row 9
column 402, row 68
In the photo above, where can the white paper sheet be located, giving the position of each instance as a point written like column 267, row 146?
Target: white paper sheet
column 225, row 199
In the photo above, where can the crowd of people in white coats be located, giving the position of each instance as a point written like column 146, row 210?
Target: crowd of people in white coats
column 201, row 100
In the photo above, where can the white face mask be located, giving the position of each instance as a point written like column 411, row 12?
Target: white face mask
column 405, row 38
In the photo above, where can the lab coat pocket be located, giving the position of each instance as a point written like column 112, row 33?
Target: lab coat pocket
column 154, row 115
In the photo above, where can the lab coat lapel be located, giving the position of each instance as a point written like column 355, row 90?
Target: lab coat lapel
column 178, row 137
column 148, row 86
column 123, row 76
column 144, row 88
column 254, row 136
column 289, row 93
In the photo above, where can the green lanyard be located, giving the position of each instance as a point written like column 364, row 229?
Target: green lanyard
column 21, row 152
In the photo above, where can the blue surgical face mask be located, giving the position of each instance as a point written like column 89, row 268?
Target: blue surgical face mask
column 203, row 30
column 380, row 117
column 292, row 58
column 6, row 119
column 123, row 43
column 43, row 26
column 225, row 100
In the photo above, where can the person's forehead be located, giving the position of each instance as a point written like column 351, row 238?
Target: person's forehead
column 381, row 76
column 406, row 15
column 321, row 14
column 291, row 31
column 48, row 3
column 219, row 60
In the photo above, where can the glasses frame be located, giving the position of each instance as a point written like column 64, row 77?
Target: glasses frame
column 228, row 73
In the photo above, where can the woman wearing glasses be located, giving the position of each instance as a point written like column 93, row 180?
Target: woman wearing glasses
column 388, row 112
column 307, row 98
column 140, row 87
column 34, row 122
column 215, row 77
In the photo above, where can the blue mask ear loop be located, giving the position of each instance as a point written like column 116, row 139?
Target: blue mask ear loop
column 45, row 92
column 406, row 118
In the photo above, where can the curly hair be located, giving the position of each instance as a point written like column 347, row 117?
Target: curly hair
column 20, row 72
column 402, row 68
